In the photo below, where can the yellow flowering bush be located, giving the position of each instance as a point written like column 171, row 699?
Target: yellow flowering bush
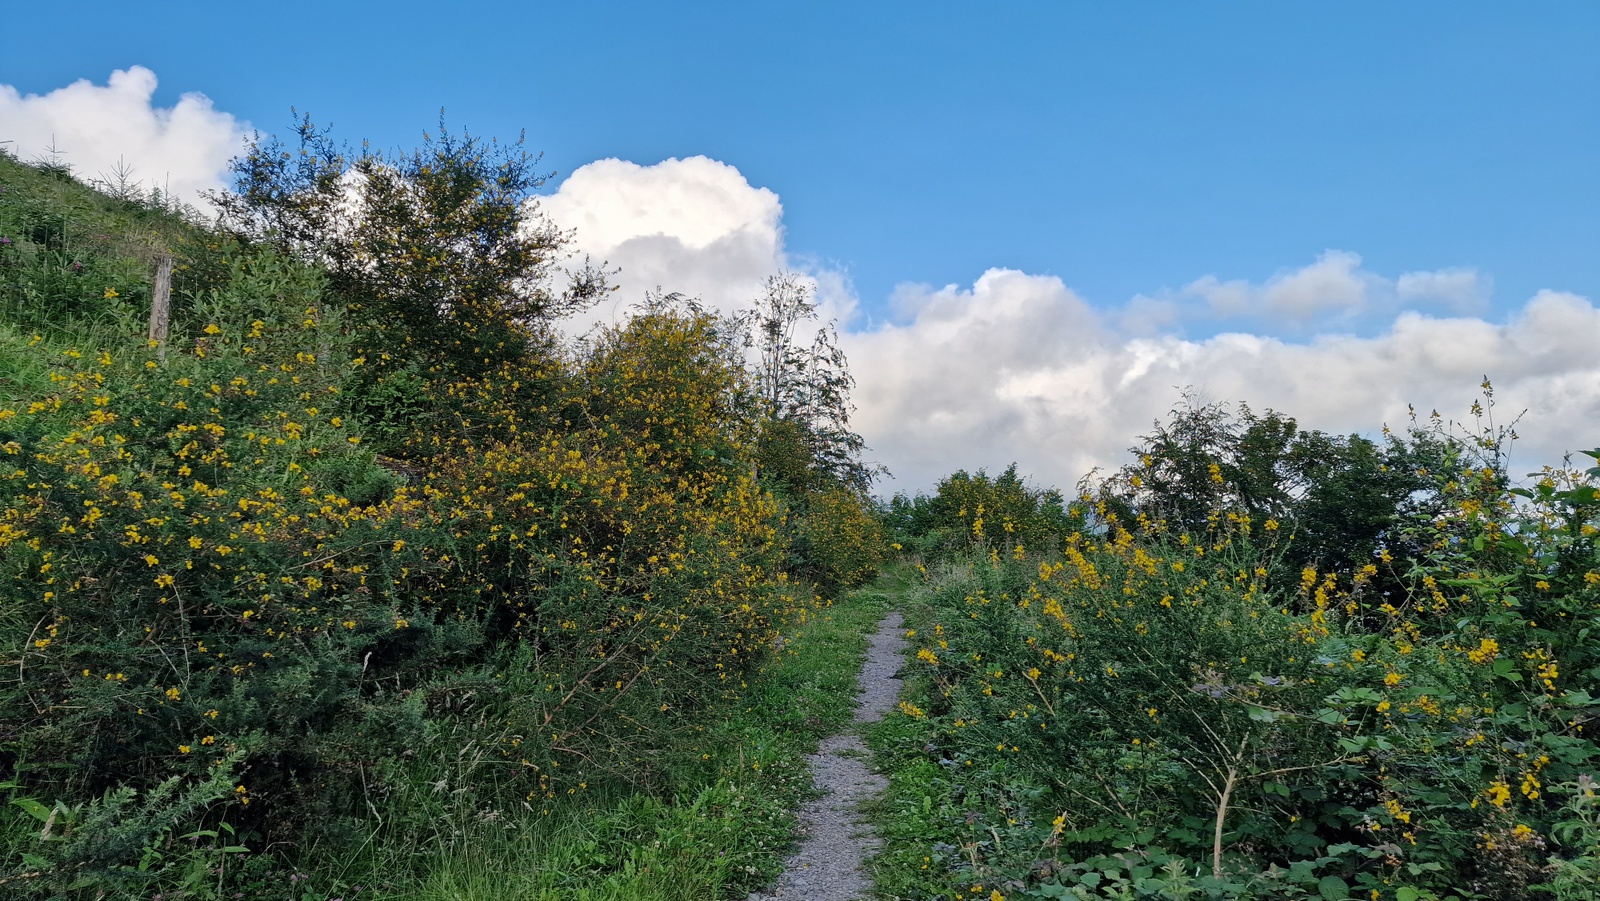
column 227, row 608
column 840, row 540
column 1193, row 701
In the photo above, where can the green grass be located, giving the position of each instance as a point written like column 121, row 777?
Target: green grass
column 76, row 263
column 722, row 831
column 24, row 374
column 919, row 806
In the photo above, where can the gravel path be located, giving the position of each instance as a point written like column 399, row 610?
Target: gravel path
column 834, row 844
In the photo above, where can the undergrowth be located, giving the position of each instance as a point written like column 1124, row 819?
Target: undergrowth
column 720, row 833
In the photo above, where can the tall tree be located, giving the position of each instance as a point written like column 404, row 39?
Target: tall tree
column 802, row 387
column 441, row 254
column 1341, row 496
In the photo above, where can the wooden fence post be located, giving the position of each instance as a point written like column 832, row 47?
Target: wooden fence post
column 161, row 303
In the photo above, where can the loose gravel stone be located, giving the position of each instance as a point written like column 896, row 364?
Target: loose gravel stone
column 834, row 843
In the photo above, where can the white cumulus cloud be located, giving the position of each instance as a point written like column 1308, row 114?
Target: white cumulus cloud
column 1334, row 284
column 184, row 148
column 1334, row 291
column 1019, row 367
column 694, row 226
column 1462, row 290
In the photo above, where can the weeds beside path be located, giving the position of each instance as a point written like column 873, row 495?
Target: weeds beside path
column 725, row 830
column 829, row 864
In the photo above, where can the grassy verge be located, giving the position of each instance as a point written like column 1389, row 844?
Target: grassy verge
column 915, row 816
column 722, row 831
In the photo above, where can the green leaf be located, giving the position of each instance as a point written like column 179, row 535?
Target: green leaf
column 1263, row 715
column 34, row 808
column 1583, row 494
column 1407, row 893
column 1332, row 888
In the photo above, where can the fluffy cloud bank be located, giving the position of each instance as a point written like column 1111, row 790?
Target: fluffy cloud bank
column 1333, row 292
column 693, row 226
column 1019, row 367
column 184, row 148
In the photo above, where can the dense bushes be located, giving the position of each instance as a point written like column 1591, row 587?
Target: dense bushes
column 1160, row 713
column 968, row 511
column 234, row 624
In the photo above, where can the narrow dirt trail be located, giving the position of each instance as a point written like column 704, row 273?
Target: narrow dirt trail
column 828, row 865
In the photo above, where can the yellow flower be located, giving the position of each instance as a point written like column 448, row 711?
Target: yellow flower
column 1498, row 793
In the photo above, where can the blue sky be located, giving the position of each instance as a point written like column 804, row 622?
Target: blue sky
column 1123, row 147
column 1039, row 221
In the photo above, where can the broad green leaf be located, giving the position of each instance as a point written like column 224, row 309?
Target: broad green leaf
column 34, row 808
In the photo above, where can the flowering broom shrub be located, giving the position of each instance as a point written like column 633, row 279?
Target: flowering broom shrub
column 839, row 540
column 225, row 611
column 1152, row 714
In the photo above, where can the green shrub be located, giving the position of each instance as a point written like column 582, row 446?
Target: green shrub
column 1169, row 714
column 966, row 511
